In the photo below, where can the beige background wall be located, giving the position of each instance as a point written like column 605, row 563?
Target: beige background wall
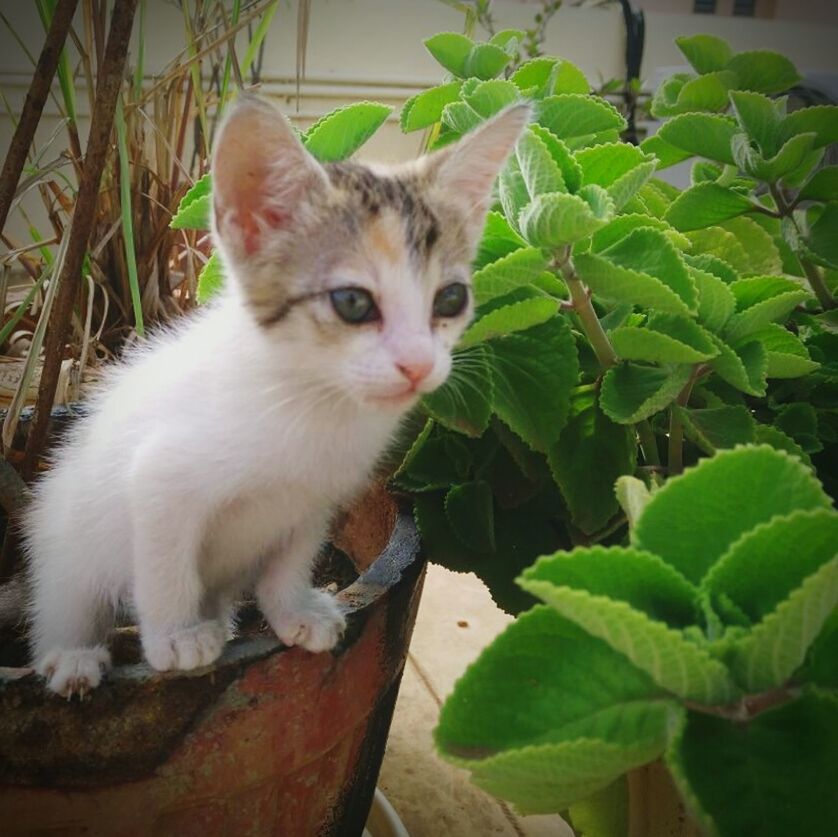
column 372, row 49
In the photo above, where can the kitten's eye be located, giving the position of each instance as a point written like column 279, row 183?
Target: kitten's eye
column 450, row 300
column 354, row 305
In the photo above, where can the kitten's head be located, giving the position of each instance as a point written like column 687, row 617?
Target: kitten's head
column 361, row 274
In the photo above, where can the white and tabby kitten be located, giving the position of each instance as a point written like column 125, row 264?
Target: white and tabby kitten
column 215, row 457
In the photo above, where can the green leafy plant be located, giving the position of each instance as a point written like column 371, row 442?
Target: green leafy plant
column 623, row 326
column 710, row 641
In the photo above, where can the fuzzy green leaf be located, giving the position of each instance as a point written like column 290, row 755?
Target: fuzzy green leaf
column 716, row 428
column 514, row 270
column 451, row 49
column 764, row 566
column 706, row 53
column 539, row 170
column 822, row 186
column 716, row 302
column 615, row 283
column 569, row 167
column 821, row 119
column 762, row 253
column 470, row 512
column 485, row 61
column 675, row 663
column 425, row 109
column 667, row 338
column 631, row 392
column 507, row 319
column 620, row 168
column 773, row 482
column 537, row 77
column 570, row 79
column 490, row 97
column 788, row 159
column 822, row 241
column 342, row 132
column 622, row 225
column 704, row 205
column 576, row 116
column 702, row 134
column 591, row 453
column 211, row 279
column 460, row 117
column 536, row 366
column 761, row 300
column 721, row 244
column 683, row 93
column 195, row 207
column 637, row 578
column 542, row 742
column 774, row 776
column 436, row 460
column 667, row 154
column 464, row 401
column 744, row 367
column 499, row 239
column 760, row 118
column 764, row 71
column 788, row 357
column 775, row 648
column 650, row 252
column 556, row 219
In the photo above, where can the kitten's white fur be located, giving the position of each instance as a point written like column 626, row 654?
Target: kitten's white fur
column 213, row 460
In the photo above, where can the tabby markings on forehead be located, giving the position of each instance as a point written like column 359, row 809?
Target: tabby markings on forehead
column 403, row 195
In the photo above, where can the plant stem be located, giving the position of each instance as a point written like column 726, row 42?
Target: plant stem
column 34, row 104
column 108, row 86
column 648, row 442
column 675, row 460
column 818, row 284
column 816, row 281
column 591, row 325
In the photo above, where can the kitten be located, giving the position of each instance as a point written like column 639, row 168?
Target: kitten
column 215, row 457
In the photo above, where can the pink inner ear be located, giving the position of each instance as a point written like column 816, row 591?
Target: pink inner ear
column 257, row 155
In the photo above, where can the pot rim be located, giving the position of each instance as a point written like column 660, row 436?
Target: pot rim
column 401, row 551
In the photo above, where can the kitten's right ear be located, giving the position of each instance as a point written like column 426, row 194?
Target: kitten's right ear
column 262, row 176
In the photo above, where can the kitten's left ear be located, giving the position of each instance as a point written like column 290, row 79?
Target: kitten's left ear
column 467, row 169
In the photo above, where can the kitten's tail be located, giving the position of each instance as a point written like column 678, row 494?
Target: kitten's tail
column 12, row 601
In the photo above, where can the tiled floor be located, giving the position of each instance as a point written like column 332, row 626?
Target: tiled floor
column 457, row 619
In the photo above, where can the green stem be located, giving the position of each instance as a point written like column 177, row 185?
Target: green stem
column 584, row 309
column 675, row 461
column 648, row 442
column 816, row 280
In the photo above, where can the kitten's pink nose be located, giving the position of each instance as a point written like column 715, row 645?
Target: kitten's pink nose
column 416, row 370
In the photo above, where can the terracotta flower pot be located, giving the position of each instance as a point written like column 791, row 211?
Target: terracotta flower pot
column 268, row 741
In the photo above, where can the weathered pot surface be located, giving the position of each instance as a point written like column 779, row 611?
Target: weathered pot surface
column 269, row 740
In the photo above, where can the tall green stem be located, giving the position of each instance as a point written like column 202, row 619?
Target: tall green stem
column 816, row 280
column 675, row 461
column 584, row 309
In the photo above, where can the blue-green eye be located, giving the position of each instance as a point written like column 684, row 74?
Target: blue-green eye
column 450, row 300
column 354, row 305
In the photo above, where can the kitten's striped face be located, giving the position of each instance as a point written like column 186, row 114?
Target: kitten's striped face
column 363, row 273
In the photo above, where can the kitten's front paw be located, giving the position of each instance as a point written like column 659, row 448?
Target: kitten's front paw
column 74, row 671
column 185, row 649
column 315, row 623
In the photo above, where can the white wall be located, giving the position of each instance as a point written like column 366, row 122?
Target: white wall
column 372, row 49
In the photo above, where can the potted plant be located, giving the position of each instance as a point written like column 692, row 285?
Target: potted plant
column 709, row 641
column 626, row 327
column 269, row 739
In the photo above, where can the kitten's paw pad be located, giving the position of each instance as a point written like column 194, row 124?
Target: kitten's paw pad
column 186, row 649
column 74, row 671
column 315, row 624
